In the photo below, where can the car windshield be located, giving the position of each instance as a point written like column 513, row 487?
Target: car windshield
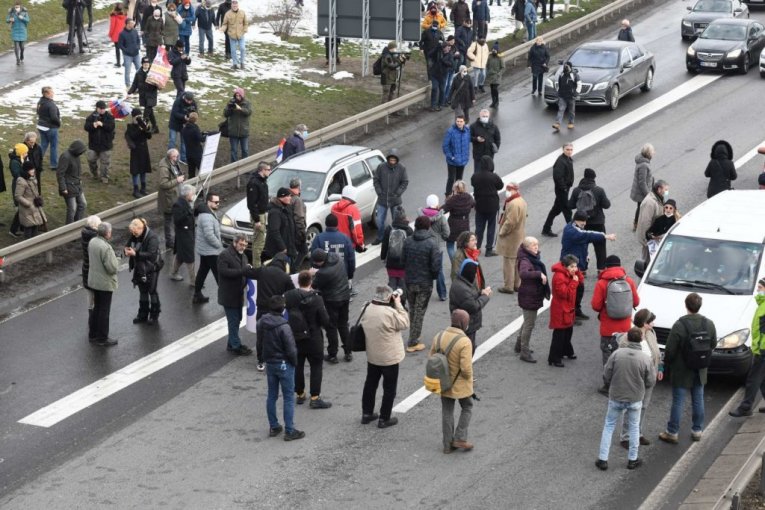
column 597, row 58
column 712, row 6
column 312, row 182
column 719, row 267
column 724, row 32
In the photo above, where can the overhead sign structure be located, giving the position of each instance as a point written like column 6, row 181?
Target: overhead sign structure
column 382, row 19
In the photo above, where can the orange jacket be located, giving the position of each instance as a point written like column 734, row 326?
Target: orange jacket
column 349, row 221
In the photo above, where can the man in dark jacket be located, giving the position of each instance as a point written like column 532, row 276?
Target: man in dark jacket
column 233, row 271
column 48, row 124
column 183, row 106
column 88, row 232
column 332, row 283
column 431, row 40
column 464, row 35
column 625, row 32
column 295, row 143
column 257, row 204
column 464, row 295
column 486, row 185
column 563, row 178
column 422, row 262
column 223, row 8
column 69, row 174
column 333, row 241
column 129, row 42
column 443, row 65
column 145, row 263
column 462, row 94
column 280, row 229
column 297, row 205
column 720, row 170
column 204, row 18
column 100, row 128
column 237, row 112
column 486, row 138
column 306, row 303
column 568, row 88
column 280, row 353
column 481, row 18
column 390, row 181
column 460, row 13
column 147, row 93
column 179, row 60
column 273, row 280
column 592, row 198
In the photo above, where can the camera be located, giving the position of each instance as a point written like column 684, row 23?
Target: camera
column 402, row 56
column 398, row 292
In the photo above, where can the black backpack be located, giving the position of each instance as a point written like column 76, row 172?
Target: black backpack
column 396, row 240
column 377, row 66
column 297, row 321
column 697, row 349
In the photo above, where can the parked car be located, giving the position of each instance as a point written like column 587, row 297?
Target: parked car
column 762, row 64
column 728, row 44
column 608, row 70
column 706, row 11
column 323, row 172
column 715, row 250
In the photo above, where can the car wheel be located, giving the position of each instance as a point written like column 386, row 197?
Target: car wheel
column 648, row 85
column 311, row 233
column 613, row 97
column 762, row 74
column 686, row 37
column 691, row 70
column 747, row 64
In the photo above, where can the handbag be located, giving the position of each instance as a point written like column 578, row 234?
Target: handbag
column 358, row 338
column 223, row 128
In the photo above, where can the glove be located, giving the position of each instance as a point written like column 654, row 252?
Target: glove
column 38, row 201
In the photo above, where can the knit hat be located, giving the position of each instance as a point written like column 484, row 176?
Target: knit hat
column 136, row 112
column 240, row 91
column 21, row 149
column 101, row 104
column 331, row 220
column 671, row 202
column 580, row 216
column 27, row 165
column 460, row 319
column 589, row 173
column 276, row 303
column 283, row 192
column 469, row 269
column 179, row 43
column 613, row 261
column 350, row 192
column 318, row 255
column 432, row 201
column 382, row 293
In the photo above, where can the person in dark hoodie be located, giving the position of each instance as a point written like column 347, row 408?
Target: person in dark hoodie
column 394, row 264
column 145, row 262
column 720, row 170
column 69, row 172
column 223, row 8
column 486, row 138
column 439, row 225
column 334, row 241
column 593, row 200
column 273, row 280
column 194, row 142
column 332, row 282
column 486, row 185
column 280, row 229
column 277, row 343
column 390, row 181
column 464, row 295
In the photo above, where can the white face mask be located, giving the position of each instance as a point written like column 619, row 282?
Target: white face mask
column 17, row 8
column 665, row 195
column 305, row 135
column 669, row 214
column 484, row 120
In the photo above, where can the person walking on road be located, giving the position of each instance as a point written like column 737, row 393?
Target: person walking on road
column 331, row 281
column 460, row 358
column 233, row 272
column 208, row 244
column 462, row 94
column 48, row 124
column 651, row 207
column 486, row 185
column 721, row 170
column 486, row 138
column 592, row 199
column 18, row 18
column 538, row 61
column 183, row 223
column 478, row 55
column 568, row 87
column 512, row 231
column 280, row 354
column 102, row 280
column 456, row 148
column 755, row 379
column 392, row 251
column 464, row 295
column 642, row 180
column 257, row 204
column 566, row 280
column 625, row 32
column 458, row 205
column 689, row 329
column 171, row 178
column 145, row 263
column 440, row 228
column 69, row 175
column 383, row 321
column 495, row 66
column 390, row 182
column 234, row 25
column 563, row 178
column 238, row 111
column 629, row 373
column 534, row 289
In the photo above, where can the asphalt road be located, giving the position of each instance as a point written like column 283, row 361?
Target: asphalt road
column 194, row 434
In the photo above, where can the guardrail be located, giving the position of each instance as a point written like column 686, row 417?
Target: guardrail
column 47, row 242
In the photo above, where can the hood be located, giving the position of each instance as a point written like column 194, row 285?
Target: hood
column 722, row 150
column 429, row 212
column 558, row 268
column 393, row 153
column 610, row 273
column 271, row 320
column 77, row 148
column 422, row 235
column 351, row 193
column 332, row 259
column 279, row 261
column 273, row 201
column 487, row 164
column 717, row 45
column 640, row 159
column 586, row 184
column 343, row 204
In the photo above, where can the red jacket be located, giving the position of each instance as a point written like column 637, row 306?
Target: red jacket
column 609, row 326
column 563, row 304
column 116, row 25
column 349, row 221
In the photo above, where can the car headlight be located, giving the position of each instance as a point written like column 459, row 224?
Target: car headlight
column 226, row 221
column 687, row 24
column 734, row 53
column 600, row 86
column 691, row 51
column 733, row 340
column 549, row 83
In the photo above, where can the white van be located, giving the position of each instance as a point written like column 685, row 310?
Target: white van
column 716, row 251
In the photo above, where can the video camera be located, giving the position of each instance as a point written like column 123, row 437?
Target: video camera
column 401, row 56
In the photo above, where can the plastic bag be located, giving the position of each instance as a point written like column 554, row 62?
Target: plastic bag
column 159, row 72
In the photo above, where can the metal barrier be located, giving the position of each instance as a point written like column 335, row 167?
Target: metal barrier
column 47, row 242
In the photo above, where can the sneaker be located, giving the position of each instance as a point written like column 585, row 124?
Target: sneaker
column 601, row 464
column 300, row 398
column 369, row 418
column 696, row 436
column 242, row 350
column 331, row 359
column 348, row 357
column 319, row 404
column 414, row 347
column 549, row 233
column 668, row 438
column 740, row 413
column 384, row 424
column 261, row 367
column 294, row 435
column 644, row 441
column 275, row 431
column 176, row 277
column 582, row 316
column 570, row 125
column 634, row 464
column 106, row 342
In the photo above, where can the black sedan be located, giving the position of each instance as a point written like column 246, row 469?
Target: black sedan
column 607, row 70
column 706, row 11
column 726, row 45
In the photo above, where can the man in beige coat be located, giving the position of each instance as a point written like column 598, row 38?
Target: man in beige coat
column 512, row 230
column 234, row 25
column 383, row 321
column 461, row 370
column 651, row 208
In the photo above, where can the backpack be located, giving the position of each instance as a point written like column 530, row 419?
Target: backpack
column 437, row 376
column 396, row 246
column 296, row 318
column 585, row 202
column 618, row 298
column 377, row 66
column 697, row 350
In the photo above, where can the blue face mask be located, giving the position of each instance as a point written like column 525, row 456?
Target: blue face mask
column 305, row 134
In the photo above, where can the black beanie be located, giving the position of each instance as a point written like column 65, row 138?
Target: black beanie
column 331, row 220
column 469, row 270
column 589, row 173
column 613, row 261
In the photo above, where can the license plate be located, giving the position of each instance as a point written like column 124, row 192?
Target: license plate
column 708, row 64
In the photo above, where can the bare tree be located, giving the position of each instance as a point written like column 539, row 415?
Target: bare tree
column 283, row 17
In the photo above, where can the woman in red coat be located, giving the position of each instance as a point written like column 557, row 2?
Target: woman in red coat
column 566, row 278
column 116, row 25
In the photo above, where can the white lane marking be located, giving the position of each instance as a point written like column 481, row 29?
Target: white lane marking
column 743, row 160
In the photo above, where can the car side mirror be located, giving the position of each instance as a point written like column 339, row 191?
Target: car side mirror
column 627, row 65
column 640, row 268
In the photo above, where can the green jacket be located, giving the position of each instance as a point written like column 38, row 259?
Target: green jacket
column 238, row 120
column 758, row 326
column 102, row 273
column 682, row 376
column 494, row 68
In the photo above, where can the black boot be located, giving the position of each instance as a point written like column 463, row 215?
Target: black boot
column 135, row 192
column 154, row 313
column 142, row 192
column 143, row 312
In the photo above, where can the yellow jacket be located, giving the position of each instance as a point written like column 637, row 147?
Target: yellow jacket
column 235, row 24
column 427, row 21
column 460, row 362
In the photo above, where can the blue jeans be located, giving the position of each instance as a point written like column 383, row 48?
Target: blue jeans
column 488, row 223
column 478, row 76
column 128, row 62
column 531, row 30
column 141, row 177
column 437, row 86
column 441, row 285
column 382, row 212
column 281, row 374
column 50, row 138
column 235, row 143
column 451, row 249
column 678, row 404
column 563, row 105
column 632, row 417
column 173, row 137
column 237, row 51
column 186, row 43
column 205, row 34
column 447, row 87
column 234, row 319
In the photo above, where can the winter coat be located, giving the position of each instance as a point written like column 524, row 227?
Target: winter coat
column 103, row 265
column 486, row 184
column 311, row 305
column 152, row 31
column 136, row 137
column 207, row 235
column 101, row 138
column 431, row 41
column 233, row 271
column 478, row 55
column 443, row 62
column 349, row 221
column 490, row 134
column 625, row 34
column 275, row 339
column 649, row 337
column 47, row 113
column 15, row 167
column 183, row 220
column 438, row 223
column 331, row 280
column 273, row 280
column 235, row 24
column 575, row 241
column 168, row 190
column 494, row 68
column 238, row 120
column 147, row 255
column 651, row 208
column 69, row 169
column 532, row 292
column 758, row 326
column 294, row 144
column 179, row 61
column 460, row 360
column 680, row 375
column 223, row 8
column 463, row 36
column 530, row 13
column 609, row 326
column 187, row 14
column 428, row 19
column 596, row 215
column 35, row 156
column 129, row 42
column 19, row 25
column 642, row 181
column 519, row 10
column 334, row 241
column 204, row 18
column 538, row 58
column 257, row 196
column 194, row 141
column 628, row 374
column 462, row 94
column 720, row 170
column 464, row 295
column 147, row 93
column 29, row 214
column 390, row 67
column 456, row 145
column 170, row 28
column 280, row 231
column 512, row 230
column 563, row 304
column 297, row 206
column 660, row 226
column 422, row 258
column 179, row 113
column 86, row 235
column 389, row 262
column 383, row 325
column 460, row 12
column 567, row 85
column 147, row 12
column 390, row 183
column 481, row 11
column 563, row 174
column 458, row 205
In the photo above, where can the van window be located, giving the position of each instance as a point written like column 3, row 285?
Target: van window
column 358, row 173
column 706, row 265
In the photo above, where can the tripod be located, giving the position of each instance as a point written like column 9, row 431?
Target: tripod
column 76, row 28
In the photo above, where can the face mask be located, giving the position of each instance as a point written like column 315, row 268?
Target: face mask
column 463, row 73
column 17, row 8
column 156, row 16
column 665, row 195
column 434, row 28
column 305, row 135
column 668, row 214
column 484, row 120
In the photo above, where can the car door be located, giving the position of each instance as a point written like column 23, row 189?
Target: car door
column 626, row 76
column 759, row 36
column 372, row 164
column 361, row 178
column 639, row 65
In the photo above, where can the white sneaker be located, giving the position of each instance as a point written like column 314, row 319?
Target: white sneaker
column 261, row 367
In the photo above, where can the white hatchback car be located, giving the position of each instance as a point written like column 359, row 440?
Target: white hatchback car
column 323, row 172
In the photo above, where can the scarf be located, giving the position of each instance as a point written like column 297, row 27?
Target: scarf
column 472, row 254
column 536, row 261
column 509, row 199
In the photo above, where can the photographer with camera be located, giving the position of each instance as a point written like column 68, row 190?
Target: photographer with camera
column 145, row 262
column 390, row 78
column 238, row 111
